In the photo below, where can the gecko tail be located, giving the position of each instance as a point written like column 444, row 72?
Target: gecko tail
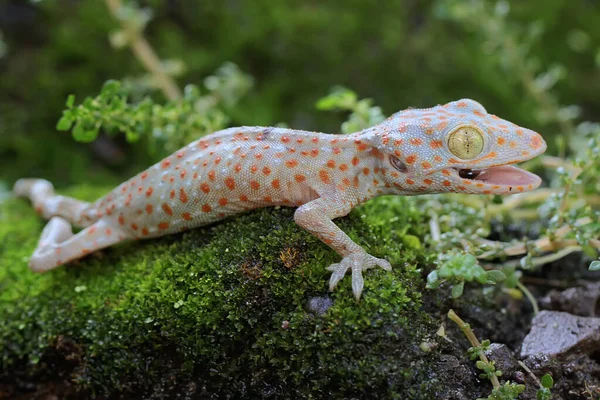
column 48, row 204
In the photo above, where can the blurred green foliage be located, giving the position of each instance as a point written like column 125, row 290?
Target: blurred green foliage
column 405, row 53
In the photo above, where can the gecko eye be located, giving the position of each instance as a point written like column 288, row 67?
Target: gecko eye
column 466, row 142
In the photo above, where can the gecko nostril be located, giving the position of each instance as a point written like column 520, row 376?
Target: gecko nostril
column 399, row 165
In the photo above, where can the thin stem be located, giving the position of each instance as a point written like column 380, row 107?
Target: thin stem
column 468, row 332
column 146, row 55
column 532, row 300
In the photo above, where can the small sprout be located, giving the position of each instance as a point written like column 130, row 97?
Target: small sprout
column 458, row 268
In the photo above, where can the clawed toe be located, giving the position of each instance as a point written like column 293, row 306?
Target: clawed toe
column 356, row 263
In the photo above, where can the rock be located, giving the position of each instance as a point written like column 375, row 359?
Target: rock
column 580, row 300
column 503, row 358
column 556, row 333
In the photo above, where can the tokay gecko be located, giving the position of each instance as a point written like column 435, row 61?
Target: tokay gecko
column 457, row 147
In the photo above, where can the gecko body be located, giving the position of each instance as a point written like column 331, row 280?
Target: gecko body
column 456, row 147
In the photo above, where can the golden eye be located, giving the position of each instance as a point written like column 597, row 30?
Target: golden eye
column 466, row 142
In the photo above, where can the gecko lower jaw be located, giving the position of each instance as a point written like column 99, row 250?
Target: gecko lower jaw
column 505, row 175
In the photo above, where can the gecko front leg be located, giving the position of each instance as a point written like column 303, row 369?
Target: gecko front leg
column 316, row 217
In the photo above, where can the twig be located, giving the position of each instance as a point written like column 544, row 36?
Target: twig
column 145, row 54
column 466, row 329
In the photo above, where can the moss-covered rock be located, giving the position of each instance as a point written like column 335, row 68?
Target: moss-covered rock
column 239, row 308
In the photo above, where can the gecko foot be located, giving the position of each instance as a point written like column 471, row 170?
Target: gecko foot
column 356, row 262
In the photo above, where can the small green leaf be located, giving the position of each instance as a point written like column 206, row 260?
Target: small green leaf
column 412, row 242
column 84, row 135
column 64, row 123
column 494, row 276
column 595, row 266
column 433, row 281
column 457, row 290
column 70, row 101
column 547, row 381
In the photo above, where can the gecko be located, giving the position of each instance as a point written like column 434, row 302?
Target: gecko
column 456, row 147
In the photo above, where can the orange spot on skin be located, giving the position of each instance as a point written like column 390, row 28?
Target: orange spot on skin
column 223, row 201
column 163, row 225
column 446, row 172
column 520, row 188
column 243, row 198
column 145, row 231
column 410, row 181
column 253, row 169
column 144, row 175
column 134, row 227
column 315, row 140
column 183, row 196
column 535, row 142
column 266, row 170
column 186, row 216
column 436, row 144
column 416, row 141
column 411, row 159
column 300, row 140
column 447, row 183
column 268, row 199
column 344, row 167
column 108, row 231
column 513, row 144
column 172, row 194
column 167, row 209
column 128, row 199
column 355, row 161
column 285, row 139
column 275, row 184
column 324, row 176
column 398, row 142
column 211, row 175
column 487, row 192
column 480, row 185
column 255, row 185
column 149, row 208
column 149, row 191
column 237, row 167
column 204, row 187
column 437, row 159
column 331, row 164
column 314, row 152
column 501, row 141
column 195, row 176
column 336, row 150
column 427, row 181
column 121, row 220
column 182, row 174
column 291, row 163
column 206, row 208
column 361, row 147
column 299, row 178
column 165, row 164
column 441, row 126
column 230, row 183
column 366, row 171
column 426, row 164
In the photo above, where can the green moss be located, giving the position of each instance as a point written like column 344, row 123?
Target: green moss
column 221, row 309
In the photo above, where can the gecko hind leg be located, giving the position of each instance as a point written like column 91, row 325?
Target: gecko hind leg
column 58, row 245
column 48, row 203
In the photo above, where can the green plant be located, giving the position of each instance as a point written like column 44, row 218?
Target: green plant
column 167, row 127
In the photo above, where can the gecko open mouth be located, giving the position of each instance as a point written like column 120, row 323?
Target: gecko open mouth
column 505, row 175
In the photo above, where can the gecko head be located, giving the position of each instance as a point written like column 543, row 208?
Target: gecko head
column 457, row 147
